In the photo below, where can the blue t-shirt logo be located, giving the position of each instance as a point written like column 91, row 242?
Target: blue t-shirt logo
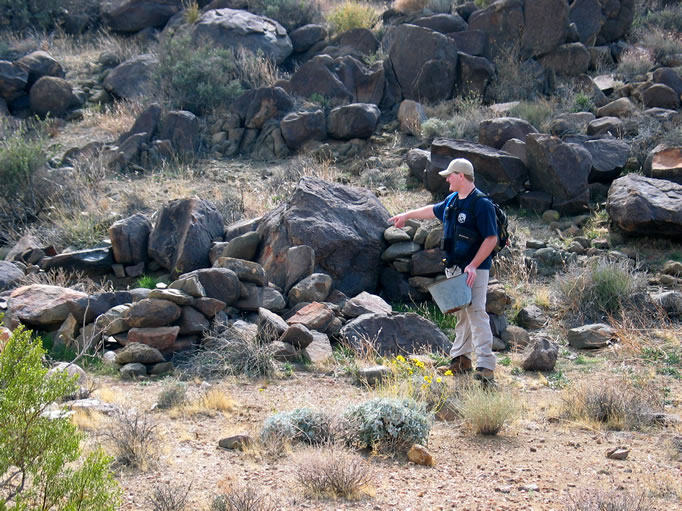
column 462, row 217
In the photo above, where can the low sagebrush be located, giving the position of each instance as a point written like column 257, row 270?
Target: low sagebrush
column 387, row 425
column 172, row 396
column 334, row 473
column 304, row 425
column 487, row 411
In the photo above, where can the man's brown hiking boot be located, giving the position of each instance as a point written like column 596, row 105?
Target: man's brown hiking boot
column 486, row 377
column 458, row 365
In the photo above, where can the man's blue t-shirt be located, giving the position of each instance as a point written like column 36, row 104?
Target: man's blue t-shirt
column 481, row 219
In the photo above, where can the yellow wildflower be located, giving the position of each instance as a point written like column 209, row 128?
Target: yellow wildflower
column 448, row 373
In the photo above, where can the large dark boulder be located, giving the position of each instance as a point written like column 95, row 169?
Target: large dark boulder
column 357, row 43
column 182, row 236
column 619, row 16
column 87, row 308
column 645, row 206
column 232, row 28
column 495, row 132
column 398, row 334
column 609, row 156
column 218, row 283
column 365, row 84
column 256, row 106
column 129, row 238
column 132, row 78
column 182, row 129
column 357, row 120
column 343, row 225
column 39, row 64
column 317, row 76
column 443, row 23
column 503, row 21
column 147, row 122
column 297, row 128
column 134, row 15
column 570, row 59
column 51, row 96
column 589, row 18
column 305, row 37
column 560, row 170
column 423, row 62
column 13, row 80
column 498, row 173
column 474, row 74
column 545, row 26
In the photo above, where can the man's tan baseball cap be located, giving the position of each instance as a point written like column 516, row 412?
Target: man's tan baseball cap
column 459, row 166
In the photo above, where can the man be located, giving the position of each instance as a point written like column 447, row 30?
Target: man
column 469, row 243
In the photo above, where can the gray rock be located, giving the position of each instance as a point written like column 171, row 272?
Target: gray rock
column 297, row 335
column 192, row 321
column 318, row 351
column 598, row 335
column 129, row 239
column 51, row 96
column 401, row 249
column 670, row 302
column 373, row 375
column 541, row 355
column 10, row 275
column 138, row 353
column 131, row 79
column 218, row 283
column 515, row 337
column 149, row 313
column 357, row 120
column 314, row 288
column 283, row 351
column 172, row 295
column 531, row 317
column 39, row 305
column 402, row 333
column 244, row 246
column 365, row 303
column 246, row 271
column 395, row 235
column 94, row 261
column 181, row 128
column 189, row 285
column 496, row 132
column 133, row 371
column 270, row 325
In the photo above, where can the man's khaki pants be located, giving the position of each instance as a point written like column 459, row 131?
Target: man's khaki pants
column 473, row 325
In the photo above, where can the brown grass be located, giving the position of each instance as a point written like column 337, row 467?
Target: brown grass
column 208, row 404
column 115, row 118
column 410, row 5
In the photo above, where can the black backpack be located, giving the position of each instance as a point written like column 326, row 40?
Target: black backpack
column 500, row 216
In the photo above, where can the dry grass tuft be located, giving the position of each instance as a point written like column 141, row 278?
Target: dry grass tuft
column 113, row 119
column 212, row 401
column 134, row 438
column 614, row 404
column 600, row 500
column 87, row 420
column 74, row 279
column 108, row 395
column 332, row 473
column 487, row 411
column 410, row 5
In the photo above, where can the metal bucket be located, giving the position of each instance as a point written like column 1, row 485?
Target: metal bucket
column 451, row 294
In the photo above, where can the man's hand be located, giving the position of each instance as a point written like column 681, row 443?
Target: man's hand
column 470, row 270
column 399, row 220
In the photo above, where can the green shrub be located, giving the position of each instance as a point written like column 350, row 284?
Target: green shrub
column 290, row 13
column 38, row 455
column 601, row 289
column 668, row 18
column 387, row 425
column 147, row 282
column 196, row 77
column 302, row 425
column 487, row 411
column 19, row 15
column 661, row 44
column 514, row 80
column 352, row 15
column 22, row 163
column 582, row 103
column 535, row 112
column 192, row 12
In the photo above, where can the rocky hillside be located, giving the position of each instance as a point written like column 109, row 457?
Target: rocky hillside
column 201, row 190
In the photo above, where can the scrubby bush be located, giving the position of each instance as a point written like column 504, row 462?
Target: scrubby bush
column 350, row 15
column 200, row 77
column 387, row 425
column 600, row 500
column 487, row 411
column 669, row 18
column 302, row 425
column 172, row 396
column 458, row 118
column 22, row 180
column 243, row 498
column 634, row 63
column 20, row 15
column 601, row 289
column 617, row 404
column 290, row 13
column 661, row 44
column 134, row 437
column 515, row 79
column 168, row 497
column 333, row 473
column 40, row 463
column 410, row 5
column 226, row 352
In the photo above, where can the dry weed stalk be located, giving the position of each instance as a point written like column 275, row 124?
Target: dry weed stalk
column 243, row 498
column 169, row 497
column 113, row 119
column 601, row 500
column 135, row 440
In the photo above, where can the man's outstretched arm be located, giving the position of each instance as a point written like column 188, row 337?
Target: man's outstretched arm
column 419, row 213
